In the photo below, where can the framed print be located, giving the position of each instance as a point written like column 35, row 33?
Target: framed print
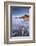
column 19, row 22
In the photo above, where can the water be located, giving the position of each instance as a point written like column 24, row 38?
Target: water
column 17, row 21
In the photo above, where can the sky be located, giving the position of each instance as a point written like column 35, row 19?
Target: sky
column 19, row 11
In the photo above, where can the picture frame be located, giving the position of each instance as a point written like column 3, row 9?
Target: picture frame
column 8, row 21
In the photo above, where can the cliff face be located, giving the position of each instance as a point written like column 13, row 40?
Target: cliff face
column 24, row 17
